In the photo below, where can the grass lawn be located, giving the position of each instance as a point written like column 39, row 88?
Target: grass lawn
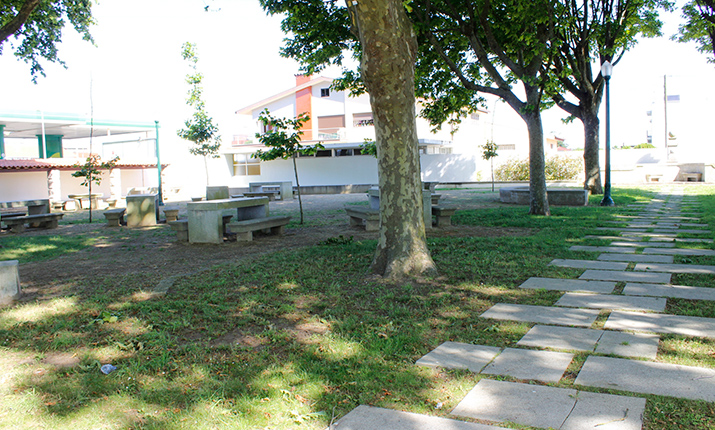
column 297, row 338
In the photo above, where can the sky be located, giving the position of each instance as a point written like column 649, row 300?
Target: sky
column 135, row 71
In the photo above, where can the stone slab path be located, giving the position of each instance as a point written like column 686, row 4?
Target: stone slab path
column 456, row 355
column 674, row 291
column 610, row 275
column 588, row 264
column 617, row 249
column 542, row 314
column 612, row 301
column 679, row 251
column 677, row 268
column 371, row 418
column 660, row 323
column 648, row 377
column 551, row 407
column 544, row 366
column 637, row 258
column 583, row 339
column 554, row 284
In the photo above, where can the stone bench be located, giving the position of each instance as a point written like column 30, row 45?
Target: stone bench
column 171, row 213
column 181, row 227
column 358, row 215
column 435, row 198
column 47, row 221
column 115, row 217
column 244, row 229
column 9, row 281
column 443, row 215
column 270, row 194
column 555, row 196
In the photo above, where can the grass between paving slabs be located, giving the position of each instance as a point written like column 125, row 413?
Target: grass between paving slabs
column 291, row 339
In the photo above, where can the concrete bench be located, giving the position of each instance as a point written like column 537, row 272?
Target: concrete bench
column 244, row 229
column 270, row 194
column 115, row 217
column 555, row 196
column 358, row 215
column 171, row 213
column 181, row 227
column 443, row 215
column 47, row 221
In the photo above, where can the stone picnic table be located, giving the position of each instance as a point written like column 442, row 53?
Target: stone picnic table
column 92, row 200
column 206, row 217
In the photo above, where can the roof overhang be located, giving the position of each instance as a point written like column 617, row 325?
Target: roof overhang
column 26, row 125
column 46, row 164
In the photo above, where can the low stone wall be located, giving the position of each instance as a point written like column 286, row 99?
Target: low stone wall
column 556, row 196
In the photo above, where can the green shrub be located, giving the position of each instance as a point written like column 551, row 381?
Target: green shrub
column 556, row 169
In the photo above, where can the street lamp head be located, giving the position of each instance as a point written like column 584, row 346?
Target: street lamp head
column 606, row 69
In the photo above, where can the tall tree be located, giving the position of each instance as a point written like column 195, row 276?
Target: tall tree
column 479, row 46
column 37, row 28
column 200, row 128
column 591, row 32
column 379, row 33
column 699, row 26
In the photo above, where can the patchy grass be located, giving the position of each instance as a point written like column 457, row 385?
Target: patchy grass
column 293, row 339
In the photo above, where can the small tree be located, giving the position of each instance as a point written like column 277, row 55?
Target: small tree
column 91, row 171
column 200, row 128
column 283, row 138
column 490, row 151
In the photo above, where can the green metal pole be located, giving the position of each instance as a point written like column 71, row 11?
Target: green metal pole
column 158, row 161
column 2, row 141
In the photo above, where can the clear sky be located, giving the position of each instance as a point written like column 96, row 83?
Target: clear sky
column 136, row 72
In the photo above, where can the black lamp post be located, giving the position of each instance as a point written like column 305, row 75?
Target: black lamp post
column 606, row 72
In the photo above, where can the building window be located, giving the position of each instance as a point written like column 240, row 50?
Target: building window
column 329, row 127
column 510, row 147
column 324, row 153
column 343, row 152
column 445, row 150
column 363, row 119
column 246, row 165
column 325, row 92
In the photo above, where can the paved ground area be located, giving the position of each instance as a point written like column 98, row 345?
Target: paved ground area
column 640, row 256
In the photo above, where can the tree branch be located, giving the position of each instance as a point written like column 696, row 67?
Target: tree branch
column 18, row 20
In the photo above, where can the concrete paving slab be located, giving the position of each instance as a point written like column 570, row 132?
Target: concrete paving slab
column 611, row 301
column 647, row 234
column 648, row 377
column 532, row 405
column 593, row 236
column 456, row 355
column 566, row 338
column 555, row 284
column 370, row 418
column 589, row 264
column 643, row 244
column 617, row 249
column 676, row 268
column 542, row 314
column 681, row 240
column 595, row 411
column 659, row 323
column 611, row 275
column 678, row 251
column 642, row 345
column 683, row 231
column 673, row 291
column 545, row 366
column 636, row 258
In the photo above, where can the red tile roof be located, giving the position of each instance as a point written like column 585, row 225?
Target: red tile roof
column 59, row 164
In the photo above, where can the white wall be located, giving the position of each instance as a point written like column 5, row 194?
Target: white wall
column 23, row 186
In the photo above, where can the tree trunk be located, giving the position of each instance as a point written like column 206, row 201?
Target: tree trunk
column 530, row 113
column 297, row 186
column 388, row 57
column 591, row 128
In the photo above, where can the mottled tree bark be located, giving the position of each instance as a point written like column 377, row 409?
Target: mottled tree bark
column 592, row 164
column 388, row 56
column 538, row 199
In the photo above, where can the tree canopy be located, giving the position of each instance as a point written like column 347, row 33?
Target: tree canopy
column 33, row 28
column 699, row 26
